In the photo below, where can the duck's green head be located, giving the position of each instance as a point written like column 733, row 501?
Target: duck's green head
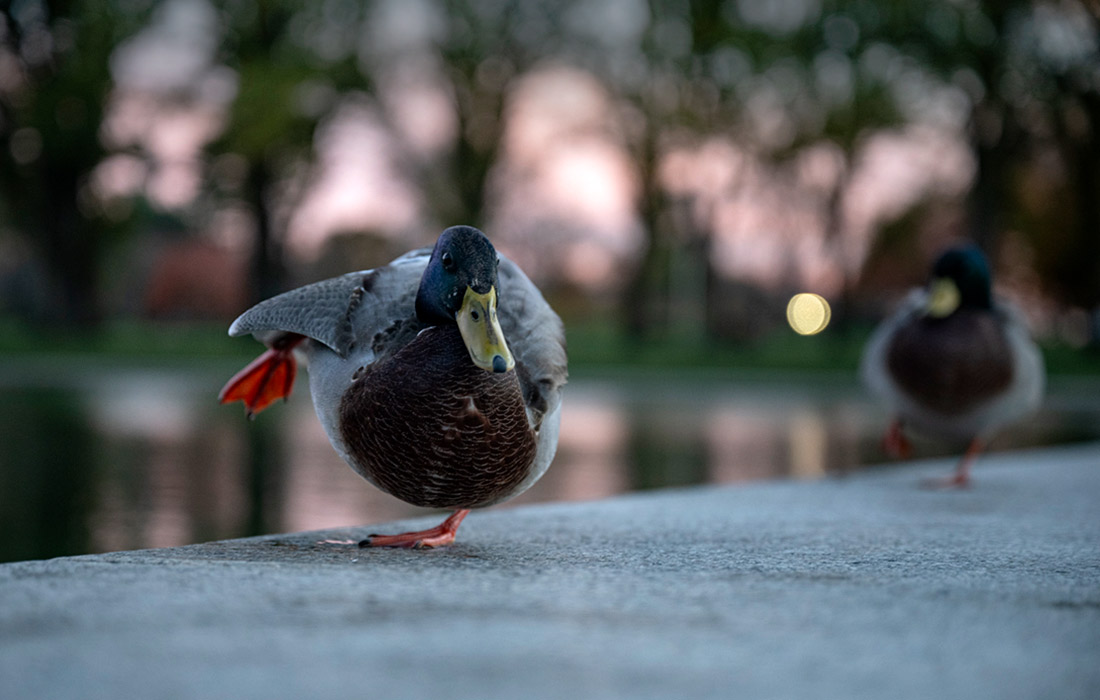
column 960, row 279
column 459, row 286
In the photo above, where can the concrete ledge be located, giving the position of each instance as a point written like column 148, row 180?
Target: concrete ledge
column 865, row 587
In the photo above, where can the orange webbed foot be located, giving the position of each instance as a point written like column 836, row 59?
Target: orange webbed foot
column 961, row 478
column 267, row 378
column 442, row 534
column 895, row 443
column 958, row 480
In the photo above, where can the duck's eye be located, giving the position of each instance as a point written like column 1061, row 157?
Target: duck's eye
column 448, row 262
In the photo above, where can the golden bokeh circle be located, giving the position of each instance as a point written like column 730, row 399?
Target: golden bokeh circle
column 808, row 313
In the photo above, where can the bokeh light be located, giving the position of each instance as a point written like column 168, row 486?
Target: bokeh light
column 808, row 313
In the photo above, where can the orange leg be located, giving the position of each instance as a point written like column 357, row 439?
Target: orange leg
column 895, row 443
column 961, row 478
column 442, row 534
column 267, row 378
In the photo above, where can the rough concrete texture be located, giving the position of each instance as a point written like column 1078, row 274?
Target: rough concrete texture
column 864, row 587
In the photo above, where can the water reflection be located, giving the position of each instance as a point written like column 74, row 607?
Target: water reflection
column 109, row 458
column 47, row 474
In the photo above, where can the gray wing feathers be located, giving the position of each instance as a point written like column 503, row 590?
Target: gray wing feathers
column 535, row 336
column 336, row 312
column 321, row 311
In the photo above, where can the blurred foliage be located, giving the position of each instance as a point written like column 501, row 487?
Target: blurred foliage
column 56, row 81
column 598, row 345
column 780, row 75
column 124, row 341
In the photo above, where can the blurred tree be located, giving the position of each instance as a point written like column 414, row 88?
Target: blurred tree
column 1022, row 74
column 781, row 77
column 1047, row 86
column 481, row 48
column 292, row 61
column 778, row 78
column 1030, row 74
column 469, row 50
column 54, row 81
column 296, row 62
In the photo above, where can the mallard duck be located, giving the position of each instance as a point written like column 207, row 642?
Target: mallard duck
column 437, row 377
column 954, row 361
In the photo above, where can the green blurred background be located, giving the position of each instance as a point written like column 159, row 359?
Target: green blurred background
column 669, row 174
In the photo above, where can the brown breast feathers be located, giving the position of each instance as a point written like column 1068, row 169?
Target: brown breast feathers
column 951, row 364
column 429, row 427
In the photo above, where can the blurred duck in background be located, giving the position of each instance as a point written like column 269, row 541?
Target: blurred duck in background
column 954, row 362
column 437, row 378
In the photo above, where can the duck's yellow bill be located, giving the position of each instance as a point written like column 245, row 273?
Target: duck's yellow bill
column 943, row 298
column 480, row 329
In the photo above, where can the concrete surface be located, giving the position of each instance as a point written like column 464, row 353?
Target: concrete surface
column 864, row 587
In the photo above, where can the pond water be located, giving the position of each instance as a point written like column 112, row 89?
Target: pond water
column 106, row 457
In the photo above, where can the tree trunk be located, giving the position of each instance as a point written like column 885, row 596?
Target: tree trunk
column 71, row 253
column 268, row 265
column 646, row 295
